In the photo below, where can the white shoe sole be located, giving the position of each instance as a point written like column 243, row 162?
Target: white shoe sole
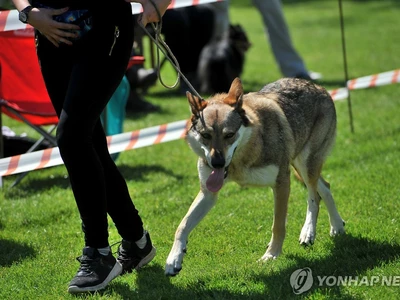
column 146, row 259
column 115, row 272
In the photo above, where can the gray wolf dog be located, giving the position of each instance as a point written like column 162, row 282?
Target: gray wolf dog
column 253, row 139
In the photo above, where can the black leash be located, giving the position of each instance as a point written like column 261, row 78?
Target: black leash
column 163, row 47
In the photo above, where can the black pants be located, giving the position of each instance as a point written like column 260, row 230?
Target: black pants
column 80, row 80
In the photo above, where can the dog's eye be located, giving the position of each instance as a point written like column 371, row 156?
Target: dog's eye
column 206, row 136
column 229, row 135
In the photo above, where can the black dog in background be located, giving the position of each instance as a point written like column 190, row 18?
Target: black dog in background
column 209, row 64
column 222, row 61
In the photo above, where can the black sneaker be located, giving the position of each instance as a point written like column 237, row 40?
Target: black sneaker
column 131, row 257
column 95, row 272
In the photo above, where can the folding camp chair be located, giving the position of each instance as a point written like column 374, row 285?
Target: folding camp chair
column 23, row 95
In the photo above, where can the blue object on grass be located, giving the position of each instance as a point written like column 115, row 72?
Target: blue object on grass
column 113, row 115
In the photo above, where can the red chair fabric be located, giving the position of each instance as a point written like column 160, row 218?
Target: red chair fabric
column 21, row 82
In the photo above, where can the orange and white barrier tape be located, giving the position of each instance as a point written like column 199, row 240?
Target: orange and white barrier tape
column 116, row 143
column 9, row 18
column 159, row 134
column 366, row 82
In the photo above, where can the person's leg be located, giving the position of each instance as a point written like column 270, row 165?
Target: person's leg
column 97, row 267
column 119, row 204
column 81, row 79
column 202, row 22
column 289, row 61
column 56, row 67
column 97, row 76
column 222, row 20
column 96, row 182
column 176, row 29
column 187, row 30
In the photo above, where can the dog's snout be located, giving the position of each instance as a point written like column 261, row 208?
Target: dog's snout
column 217, row 159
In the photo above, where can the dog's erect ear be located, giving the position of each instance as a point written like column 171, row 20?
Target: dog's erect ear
column 196, row 104
column 235, row 94
column 235, row 99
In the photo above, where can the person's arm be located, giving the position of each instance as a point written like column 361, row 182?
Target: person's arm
column 20, row 4
column 150, row 14
column 41, row 19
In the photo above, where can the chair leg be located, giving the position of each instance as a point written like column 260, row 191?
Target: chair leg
column 18, row 180
column 33, row 148
column 1, row 145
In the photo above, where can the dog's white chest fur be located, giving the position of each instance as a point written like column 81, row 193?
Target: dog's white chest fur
column 263, row 176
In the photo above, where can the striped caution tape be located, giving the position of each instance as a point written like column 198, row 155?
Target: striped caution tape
column 160, row 134
column 366, row 82
column 116, row 143
column 9, row 18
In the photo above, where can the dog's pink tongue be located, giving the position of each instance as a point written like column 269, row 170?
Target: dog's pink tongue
column 215, row 180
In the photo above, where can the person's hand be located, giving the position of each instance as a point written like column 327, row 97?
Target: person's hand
column 55, row 32
column 150, row 14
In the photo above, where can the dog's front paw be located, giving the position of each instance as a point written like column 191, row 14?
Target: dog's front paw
column 172, row 268
column 337, row 228
column 272, row 252
column 307, row 235
column 174, row 261
column 268, row 256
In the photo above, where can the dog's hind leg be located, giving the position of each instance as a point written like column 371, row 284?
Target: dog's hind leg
column 309, row 164
column 337, row 223
column 281, row 196
column 310, row 175
column 204, row 201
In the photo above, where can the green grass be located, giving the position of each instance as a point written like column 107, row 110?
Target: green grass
column 40, row 233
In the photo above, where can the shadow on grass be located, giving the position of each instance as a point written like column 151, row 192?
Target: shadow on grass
column 139, row 115
column 350, row 256
column 139, row 172
column 130, row 173
column 12, row 252
column 167, row 93
column 27, row 187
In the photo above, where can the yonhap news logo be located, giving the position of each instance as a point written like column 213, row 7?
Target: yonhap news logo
column 302, row 280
